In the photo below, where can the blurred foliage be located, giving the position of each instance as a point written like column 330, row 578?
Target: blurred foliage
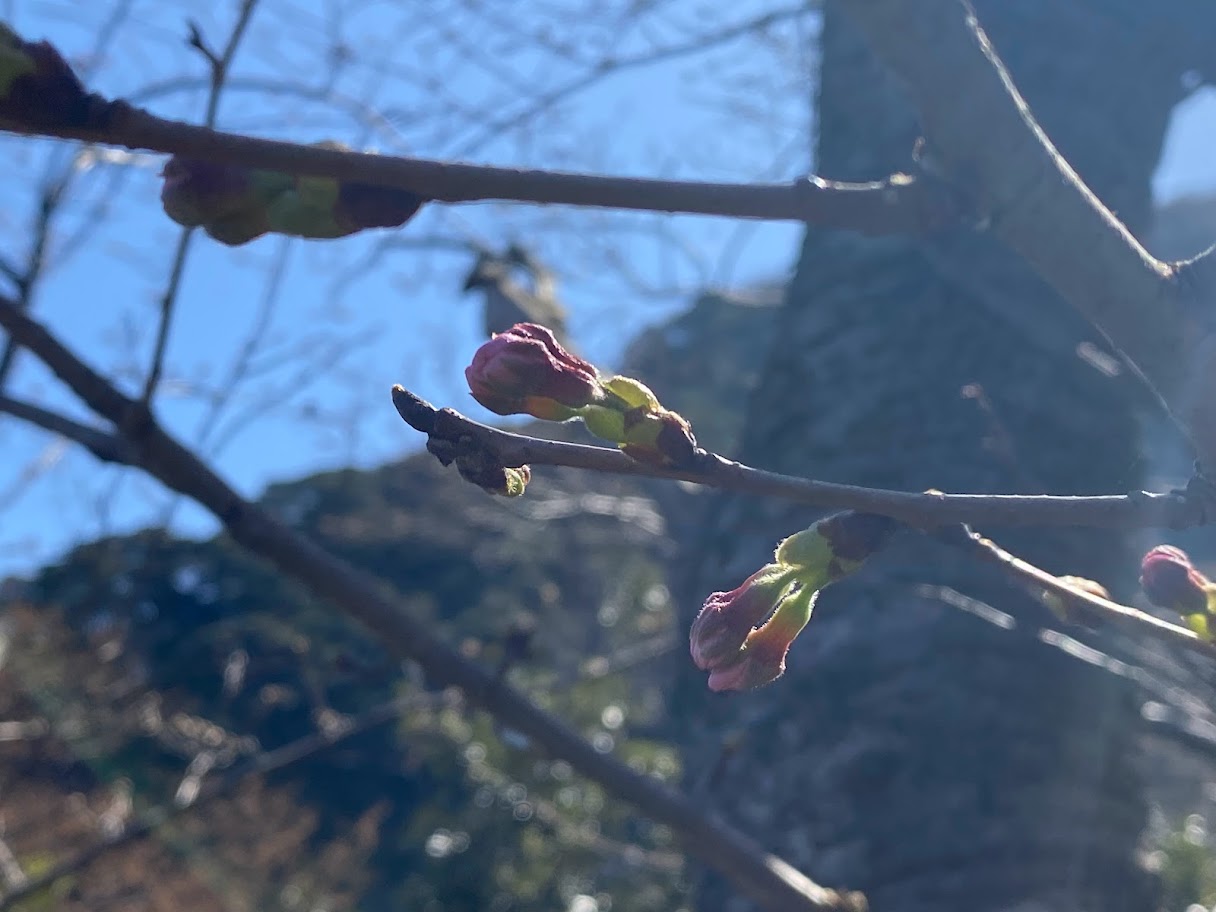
column 1186, row 864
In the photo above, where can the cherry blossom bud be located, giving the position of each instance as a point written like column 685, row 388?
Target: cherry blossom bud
column 524, row 371
column 1170, row 580
column 727, row 618
column 762, row 658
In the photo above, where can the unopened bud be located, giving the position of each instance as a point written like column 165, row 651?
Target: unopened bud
column 525, row 371
column 1074, row 611
column 727, row 618
column 762, row 659
column 1170, row 580
column 835, row 546
column 235, row 205
column 630, row 416
column 660, row 438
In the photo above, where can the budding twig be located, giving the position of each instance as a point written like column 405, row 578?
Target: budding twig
column 769, row 881
column 898, row 204
column 1175, row 509
column 1040, row 581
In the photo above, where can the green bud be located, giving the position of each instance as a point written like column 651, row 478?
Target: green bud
column 515, row 481
column 604, row 422
column 835, row 546
column 633, row 393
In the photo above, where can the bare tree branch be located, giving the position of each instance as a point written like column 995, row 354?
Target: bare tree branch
column 1176, row 509
column 984, row 137
column 768, row 880
column 899, row 204
column 104, row 445
column 1040, row 581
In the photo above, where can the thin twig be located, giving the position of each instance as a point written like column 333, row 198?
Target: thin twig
column 1116, row 511
column 766, row 879
column 984, row 138
column 1039, row 581
column 267, row 762
column 612, row 66
column 220, row 64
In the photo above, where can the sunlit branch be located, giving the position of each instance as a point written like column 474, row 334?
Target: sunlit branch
column 897, row 204
column 1175, row 509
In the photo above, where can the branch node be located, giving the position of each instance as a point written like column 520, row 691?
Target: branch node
column 1200, row 496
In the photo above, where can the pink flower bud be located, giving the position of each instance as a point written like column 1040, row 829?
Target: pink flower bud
column 727, row 618
column 1170, row 580
column 524, row 371
column 762, row 659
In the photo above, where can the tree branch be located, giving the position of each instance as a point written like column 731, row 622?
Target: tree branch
column 766, row 879
column 1040, row 581
column 985, row 139
column 104, row 445
column 896, row 205
column 1141, row 509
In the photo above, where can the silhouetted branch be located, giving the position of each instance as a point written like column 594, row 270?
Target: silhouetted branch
column 220, row 64
column 106, row 446
column 763, row 877
column 897, row 204
column 1176, row 509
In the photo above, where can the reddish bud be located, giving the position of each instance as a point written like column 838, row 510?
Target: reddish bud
column 762, row 659
column 524, row 371
column 1170, row 580
column 727, row 618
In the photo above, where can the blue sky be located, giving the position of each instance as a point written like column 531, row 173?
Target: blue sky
column 343, row 320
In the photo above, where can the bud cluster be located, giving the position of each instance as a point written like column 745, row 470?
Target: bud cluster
column 526, row 371
column 742, row 637
column 235, row 205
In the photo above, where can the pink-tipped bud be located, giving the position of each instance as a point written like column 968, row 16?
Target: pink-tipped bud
column 727, row 618
column 762, row 659
column 524, row 371
column 1170, row 580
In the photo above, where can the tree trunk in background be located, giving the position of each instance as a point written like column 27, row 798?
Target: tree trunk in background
column 936, row 758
